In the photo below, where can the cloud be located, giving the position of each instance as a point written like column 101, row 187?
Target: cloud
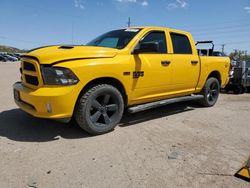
column 178, row 4
column 182, row 3
column 144, row 3
column 79, row 4
column 99, row 3
column 247, row 9
column 172, row 5
column 127, row 1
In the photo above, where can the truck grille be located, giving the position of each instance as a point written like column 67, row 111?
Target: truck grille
column 31, row 80
column 31, row 75
column 28, row 66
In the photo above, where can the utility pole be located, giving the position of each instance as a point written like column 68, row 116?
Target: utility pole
column 129, row 22
column 223, row 48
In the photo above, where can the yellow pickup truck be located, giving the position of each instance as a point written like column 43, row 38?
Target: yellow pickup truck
column 133, row 68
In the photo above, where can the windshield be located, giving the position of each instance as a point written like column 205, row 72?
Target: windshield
column 115, row 39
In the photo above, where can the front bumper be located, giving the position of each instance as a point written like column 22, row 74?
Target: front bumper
column 47, row 102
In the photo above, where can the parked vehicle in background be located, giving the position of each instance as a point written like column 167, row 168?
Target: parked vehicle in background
column 218, row 53
column 239, row 77
column 15, row 56
column 3, row 59
column 134, row 69
column 10, row 57
column 18, row 56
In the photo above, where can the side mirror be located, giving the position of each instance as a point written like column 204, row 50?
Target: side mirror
column 147, row 47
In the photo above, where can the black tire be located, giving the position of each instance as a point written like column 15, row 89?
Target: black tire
column 244, row 90
column 210, row 92
column 99, row 109
column 248, row 89
column 238, row 90
column 227, row 88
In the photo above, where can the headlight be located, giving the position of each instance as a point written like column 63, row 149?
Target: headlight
column 58, row 76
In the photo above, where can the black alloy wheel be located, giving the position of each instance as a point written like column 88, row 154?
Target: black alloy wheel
column 210, row 92
column 99, row 109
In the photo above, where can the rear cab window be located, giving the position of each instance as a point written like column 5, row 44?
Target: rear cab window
column 181, row 44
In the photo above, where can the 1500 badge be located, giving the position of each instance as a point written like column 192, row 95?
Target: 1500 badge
column 137, row 74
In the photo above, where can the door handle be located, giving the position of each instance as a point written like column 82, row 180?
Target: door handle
column 194, row 62
column 165, row 63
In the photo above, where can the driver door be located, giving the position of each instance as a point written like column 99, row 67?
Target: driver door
column 152, row 71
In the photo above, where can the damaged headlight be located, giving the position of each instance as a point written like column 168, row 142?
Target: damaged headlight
column 58, row 76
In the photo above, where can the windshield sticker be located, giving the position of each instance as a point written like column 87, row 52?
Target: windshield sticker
column 132, row 30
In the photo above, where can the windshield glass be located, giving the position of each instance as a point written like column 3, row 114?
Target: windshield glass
column 115, row 39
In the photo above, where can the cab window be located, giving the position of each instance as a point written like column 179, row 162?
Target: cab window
column 181, row 44
column 156, row 36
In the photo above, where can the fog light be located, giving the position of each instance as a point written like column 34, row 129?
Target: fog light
column 49, row 107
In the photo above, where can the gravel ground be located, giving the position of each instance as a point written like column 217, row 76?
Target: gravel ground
column 180, row 145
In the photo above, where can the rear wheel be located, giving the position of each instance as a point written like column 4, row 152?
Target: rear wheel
column 238, row 90
column 210, row 92
column 248, row 89
column 227, row 88
column 244, row 90
column 99, row 109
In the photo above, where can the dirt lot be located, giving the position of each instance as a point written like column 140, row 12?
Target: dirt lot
column 180, row 145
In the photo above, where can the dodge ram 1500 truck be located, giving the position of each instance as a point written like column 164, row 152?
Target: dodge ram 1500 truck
column 133, row 68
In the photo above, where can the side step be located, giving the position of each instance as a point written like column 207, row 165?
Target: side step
column 156, row 104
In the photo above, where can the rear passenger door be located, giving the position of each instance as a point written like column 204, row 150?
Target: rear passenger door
column 185, row 62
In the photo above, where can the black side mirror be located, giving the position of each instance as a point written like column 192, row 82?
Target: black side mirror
column 147, row 47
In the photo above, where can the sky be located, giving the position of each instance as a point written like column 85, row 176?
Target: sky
column 28, row 24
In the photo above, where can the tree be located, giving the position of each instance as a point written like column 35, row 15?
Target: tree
column 239, row 55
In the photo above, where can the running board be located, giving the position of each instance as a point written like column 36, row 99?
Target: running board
column 156, row 104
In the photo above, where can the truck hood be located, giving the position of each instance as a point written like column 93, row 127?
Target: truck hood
column 56, row 54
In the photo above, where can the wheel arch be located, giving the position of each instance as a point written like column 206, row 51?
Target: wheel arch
column 106, row 80
column 215, row 74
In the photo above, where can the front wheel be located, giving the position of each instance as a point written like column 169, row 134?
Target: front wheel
column 210, row 92
column 99, row 109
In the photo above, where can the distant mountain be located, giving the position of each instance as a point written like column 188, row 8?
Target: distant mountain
column 10, row 49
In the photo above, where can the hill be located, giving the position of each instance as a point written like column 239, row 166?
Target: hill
column 10, row 49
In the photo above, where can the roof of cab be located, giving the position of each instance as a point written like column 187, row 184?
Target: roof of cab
column 154, row 27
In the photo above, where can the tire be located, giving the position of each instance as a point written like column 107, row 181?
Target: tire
column 227, row 88
column 248, row 89
column 210, row 92
column 238, row 90
column 244, row 90
column 99, row 109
